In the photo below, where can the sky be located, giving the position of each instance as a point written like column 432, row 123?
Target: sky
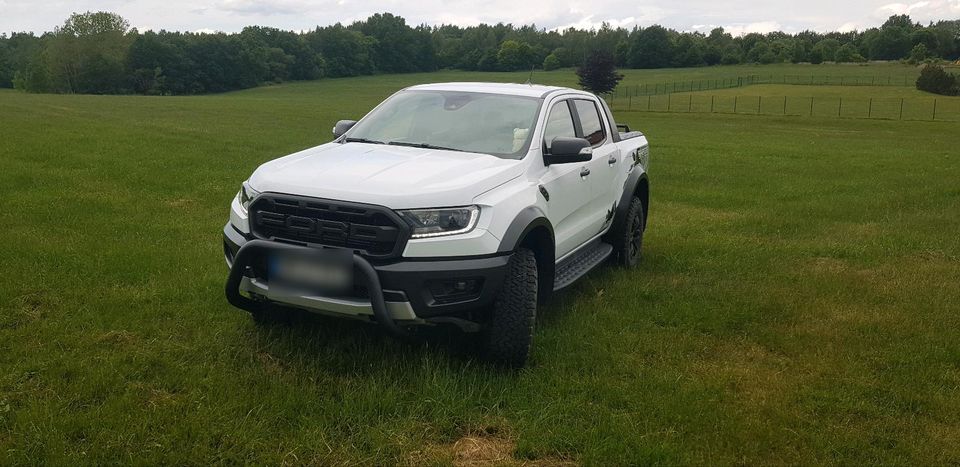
column 736, row 16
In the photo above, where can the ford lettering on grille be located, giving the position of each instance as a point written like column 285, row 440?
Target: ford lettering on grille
column 373, row 230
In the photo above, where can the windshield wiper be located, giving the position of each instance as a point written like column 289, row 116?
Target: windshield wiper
column 423, row 146
column 362, row 140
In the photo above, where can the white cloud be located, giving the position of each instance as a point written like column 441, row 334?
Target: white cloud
column 922, row 11
column 849, row 26
column 902, row 8
column 761, row 27
column 264, row 7
column 588, row 22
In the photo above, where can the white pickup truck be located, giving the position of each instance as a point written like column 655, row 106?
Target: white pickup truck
column 461, row 204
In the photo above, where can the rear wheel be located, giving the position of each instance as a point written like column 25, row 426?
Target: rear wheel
column 629, row 239
column 508, row 339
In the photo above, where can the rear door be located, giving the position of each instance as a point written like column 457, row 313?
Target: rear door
column 604, row 167
column 568, row 207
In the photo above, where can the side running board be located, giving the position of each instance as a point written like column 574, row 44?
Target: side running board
column 576, row 266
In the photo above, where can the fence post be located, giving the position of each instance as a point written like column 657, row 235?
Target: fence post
column 901, row 109
column 668, row 101
column 689, row 102
column 840, row 108
column 934, row 109
column 811, row 106
column 784, row 105
column 735, row 99
column 711, row 103
column 629, row 102
column 870, row 109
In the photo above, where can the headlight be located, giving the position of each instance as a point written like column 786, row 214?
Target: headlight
column 439, row 222
column 245, row 196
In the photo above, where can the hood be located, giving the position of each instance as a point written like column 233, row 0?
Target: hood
column 397, row 177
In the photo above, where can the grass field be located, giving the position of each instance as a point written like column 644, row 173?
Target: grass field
column 877, row 102
column 797, row 302
column 891, row 102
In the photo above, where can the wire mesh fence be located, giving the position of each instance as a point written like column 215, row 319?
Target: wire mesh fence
column 889, row 108
column 653, row 89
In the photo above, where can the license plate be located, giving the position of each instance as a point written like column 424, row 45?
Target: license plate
column 320, row 272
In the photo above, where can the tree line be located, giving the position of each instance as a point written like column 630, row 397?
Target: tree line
column 99, row 53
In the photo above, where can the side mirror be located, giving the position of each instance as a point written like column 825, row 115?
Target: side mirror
column 342, row 126
column 565, row 150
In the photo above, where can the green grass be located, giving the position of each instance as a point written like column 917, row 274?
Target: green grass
column 826, row 72
column 796, row 303
column 565, row 77
column 878, row 102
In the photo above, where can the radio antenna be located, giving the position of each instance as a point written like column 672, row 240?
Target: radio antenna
column 530, row 78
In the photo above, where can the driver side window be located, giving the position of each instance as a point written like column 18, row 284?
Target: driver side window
column 559, row 123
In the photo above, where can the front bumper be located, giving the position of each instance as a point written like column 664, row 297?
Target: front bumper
column 405, row 287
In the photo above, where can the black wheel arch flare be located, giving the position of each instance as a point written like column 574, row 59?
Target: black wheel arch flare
column 532, row 229
column 633, row 186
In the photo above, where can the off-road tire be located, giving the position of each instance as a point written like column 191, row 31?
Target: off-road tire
column 628, row 240
column 507, row 341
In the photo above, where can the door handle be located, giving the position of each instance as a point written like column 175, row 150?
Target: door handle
column 612, row 160
column 584, row 172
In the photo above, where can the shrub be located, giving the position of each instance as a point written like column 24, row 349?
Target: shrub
column 816, row 56
column 919, row 54
column 847, row 54
column 933, row 78
column 551, row 62
column 767, row 58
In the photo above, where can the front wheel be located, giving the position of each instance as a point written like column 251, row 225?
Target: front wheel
column 508, row 339
column 628, row 240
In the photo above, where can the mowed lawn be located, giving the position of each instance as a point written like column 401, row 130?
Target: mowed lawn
column 797, row 303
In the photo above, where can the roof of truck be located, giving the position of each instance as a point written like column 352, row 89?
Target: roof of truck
column 514, row 89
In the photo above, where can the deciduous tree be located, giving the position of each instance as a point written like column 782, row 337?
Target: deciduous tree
column 598, row 74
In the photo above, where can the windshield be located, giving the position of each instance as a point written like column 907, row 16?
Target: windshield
column 494, row 124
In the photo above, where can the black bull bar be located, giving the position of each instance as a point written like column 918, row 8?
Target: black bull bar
column 255, row 248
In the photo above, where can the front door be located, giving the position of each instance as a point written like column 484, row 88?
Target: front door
column 567, row 185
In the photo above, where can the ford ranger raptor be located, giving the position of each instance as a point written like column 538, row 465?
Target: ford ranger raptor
column 463, row 204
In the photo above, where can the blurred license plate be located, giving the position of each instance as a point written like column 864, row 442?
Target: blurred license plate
column 320, row 272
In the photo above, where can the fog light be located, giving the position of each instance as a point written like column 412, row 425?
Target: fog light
column 455, row 290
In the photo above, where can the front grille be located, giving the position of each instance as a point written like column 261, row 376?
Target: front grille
column 373, row 231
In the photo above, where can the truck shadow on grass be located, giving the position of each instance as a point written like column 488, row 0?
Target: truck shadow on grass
column 355, row 345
